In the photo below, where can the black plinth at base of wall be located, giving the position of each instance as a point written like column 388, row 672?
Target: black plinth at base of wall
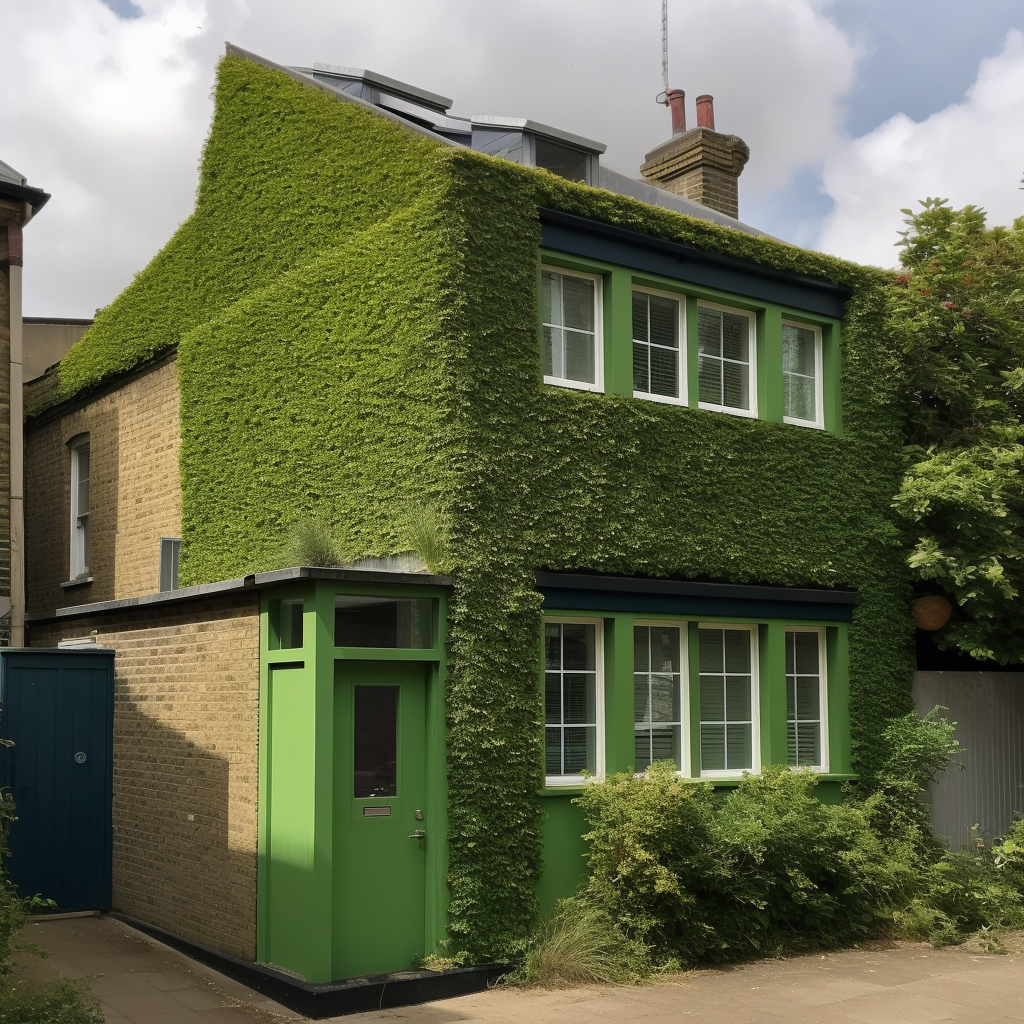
column 333, row 998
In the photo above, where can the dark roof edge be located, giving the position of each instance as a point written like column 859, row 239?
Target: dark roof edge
column 60, row 321
column 689, row 252
column 736, row 591
column 252, row 582
column 116, row 380
column 306, row 572
column 35, row 196
column 237, row 51
column 170, row 597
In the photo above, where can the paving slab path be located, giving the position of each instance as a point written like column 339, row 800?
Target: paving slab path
column 141, row 981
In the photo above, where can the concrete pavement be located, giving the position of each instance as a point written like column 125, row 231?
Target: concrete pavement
column 140, row 981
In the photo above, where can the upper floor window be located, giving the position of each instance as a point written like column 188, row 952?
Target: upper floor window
column 80, row 509
column 573, row 354
column 657, row 347
column 725, row 360
column 573, row 695
column 801, row 374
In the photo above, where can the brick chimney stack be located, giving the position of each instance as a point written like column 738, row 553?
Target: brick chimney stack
column 701, row 164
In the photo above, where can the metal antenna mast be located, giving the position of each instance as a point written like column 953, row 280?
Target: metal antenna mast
column 664, row 43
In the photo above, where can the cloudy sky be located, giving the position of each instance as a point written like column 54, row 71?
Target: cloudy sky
column 852, row 108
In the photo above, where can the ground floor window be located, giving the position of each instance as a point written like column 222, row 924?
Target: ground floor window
column 573, row 694
column 805, row 697
column 717, row 699
column 657, row 694
column 728, row 699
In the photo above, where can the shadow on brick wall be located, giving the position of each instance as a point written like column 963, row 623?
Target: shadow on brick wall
column 178, row 833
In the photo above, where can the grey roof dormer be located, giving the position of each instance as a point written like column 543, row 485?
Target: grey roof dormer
column 532, row 144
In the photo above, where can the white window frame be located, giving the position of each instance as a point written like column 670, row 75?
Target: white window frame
column 684, row 689
column 822, row 695
column 554, row 781
column 79, row 535
column 564, row 382
column 170, row 552
column 750, row 413
column 819, row 422
column 680, row 351
column 755, row 703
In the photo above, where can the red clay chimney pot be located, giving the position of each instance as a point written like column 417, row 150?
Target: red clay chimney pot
column 706, row 112
column 675, row 98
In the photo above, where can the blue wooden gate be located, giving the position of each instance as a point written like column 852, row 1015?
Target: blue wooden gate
column 57, row 707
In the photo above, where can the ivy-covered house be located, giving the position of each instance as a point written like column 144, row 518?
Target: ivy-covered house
column 660, row 449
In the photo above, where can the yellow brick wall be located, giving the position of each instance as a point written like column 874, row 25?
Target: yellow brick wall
column 134, row 435
column 186, row 705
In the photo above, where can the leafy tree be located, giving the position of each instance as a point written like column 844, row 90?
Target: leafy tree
column 958, row 312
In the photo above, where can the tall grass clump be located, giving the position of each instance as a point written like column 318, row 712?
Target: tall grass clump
column 311, row 541
column 580, row 945
column 428, row 539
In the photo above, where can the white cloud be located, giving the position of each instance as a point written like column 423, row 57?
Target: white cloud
column 970, row 152
column 110, row 113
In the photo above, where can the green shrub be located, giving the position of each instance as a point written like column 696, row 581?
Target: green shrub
column 580, row 945
column 12, row 908
column 766, row 867
column 703, row 877
column 65, row 1003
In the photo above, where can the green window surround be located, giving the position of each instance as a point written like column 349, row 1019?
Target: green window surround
column 610, row 329
column 717, row 698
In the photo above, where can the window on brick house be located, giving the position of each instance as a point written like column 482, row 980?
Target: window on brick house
column 80, row 509
column 170, row 548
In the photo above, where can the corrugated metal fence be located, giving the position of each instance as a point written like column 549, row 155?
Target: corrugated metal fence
column 988, row 708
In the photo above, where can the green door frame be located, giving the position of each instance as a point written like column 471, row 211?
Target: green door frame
column 296, row 732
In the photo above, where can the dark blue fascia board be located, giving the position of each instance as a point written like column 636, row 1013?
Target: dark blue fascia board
column 577, row 236
column 583, row 592
column 708, row 608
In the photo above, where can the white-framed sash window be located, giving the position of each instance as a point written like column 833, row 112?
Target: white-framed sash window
column 659, row 655
column 573, row 700
column 801, row 374
column 729, row 714
column 572, row 348
column 806, row 698
column 80, row 553
column 658, row 363
column 726, row 360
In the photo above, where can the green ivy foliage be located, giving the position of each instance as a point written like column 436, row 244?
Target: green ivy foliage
column 354, row 308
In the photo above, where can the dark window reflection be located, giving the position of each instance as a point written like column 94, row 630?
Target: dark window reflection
column 569, row 163
column 383, row 622
column 376, row 741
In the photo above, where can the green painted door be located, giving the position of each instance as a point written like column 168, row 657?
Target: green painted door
column 380, row 795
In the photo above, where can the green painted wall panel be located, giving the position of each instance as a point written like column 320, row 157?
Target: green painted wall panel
column 564, row 850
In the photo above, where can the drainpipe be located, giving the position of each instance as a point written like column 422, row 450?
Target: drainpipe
column 14, row 250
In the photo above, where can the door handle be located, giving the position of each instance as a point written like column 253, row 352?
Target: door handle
column 418, row 834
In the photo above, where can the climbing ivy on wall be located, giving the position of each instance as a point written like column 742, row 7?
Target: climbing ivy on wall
column 354, row 307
